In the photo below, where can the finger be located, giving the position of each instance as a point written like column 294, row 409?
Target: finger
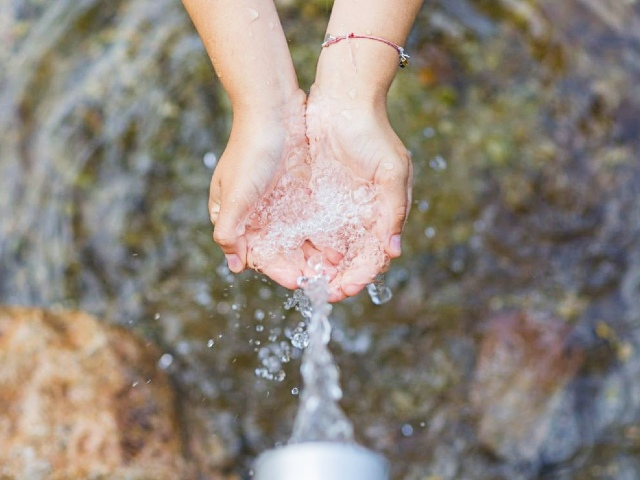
column 334, row 257
column 396, row 186
column 284, row 274
column 361, row 272
column 229, row 227
column 336, row 295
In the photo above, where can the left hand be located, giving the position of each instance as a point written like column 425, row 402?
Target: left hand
column 359, row 135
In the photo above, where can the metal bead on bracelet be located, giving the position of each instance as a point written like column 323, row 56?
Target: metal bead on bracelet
column 403, row 58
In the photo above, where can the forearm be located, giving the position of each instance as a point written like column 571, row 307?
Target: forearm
column 364, row 68
column 248, row 49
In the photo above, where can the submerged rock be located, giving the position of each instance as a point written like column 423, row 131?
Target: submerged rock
column 520, row 393
column 83, row 400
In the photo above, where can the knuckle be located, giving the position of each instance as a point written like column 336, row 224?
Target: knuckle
column 223, row 237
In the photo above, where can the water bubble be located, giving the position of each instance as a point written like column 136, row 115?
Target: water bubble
column 407, row 430
column 294, row 391
column 156, row 316
column 258, row 315
column 300, row 336
column 259, row 328
column 210, row 160
column 265, row 293
column 429, row 232
column 438, row 163
column 183, row 348
column 423, row 206
column 165, row 361
column 300, row 302
column 223, row 308
column 210, row 343
column 428, row 132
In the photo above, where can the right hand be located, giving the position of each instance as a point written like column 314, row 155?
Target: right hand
column 261, row 147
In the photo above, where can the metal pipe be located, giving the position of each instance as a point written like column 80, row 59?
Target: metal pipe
column 321, row 461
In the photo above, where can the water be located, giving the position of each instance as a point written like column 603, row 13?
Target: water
column 109, row 108
column 319, row 416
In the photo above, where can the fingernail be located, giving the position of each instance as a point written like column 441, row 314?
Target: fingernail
column 395, row 245
column 234, row 263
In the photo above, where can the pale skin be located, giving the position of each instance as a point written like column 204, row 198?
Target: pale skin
column 275, row 126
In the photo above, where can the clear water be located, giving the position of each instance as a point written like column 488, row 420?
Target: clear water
column 319, row 416
column 109, row 109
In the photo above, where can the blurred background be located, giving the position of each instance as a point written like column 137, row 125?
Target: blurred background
column 511, row 348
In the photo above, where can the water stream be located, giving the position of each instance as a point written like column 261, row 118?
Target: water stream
column 521, row 250
column 319, row 416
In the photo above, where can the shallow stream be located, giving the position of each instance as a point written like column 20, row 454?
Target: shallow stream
column 511, row 348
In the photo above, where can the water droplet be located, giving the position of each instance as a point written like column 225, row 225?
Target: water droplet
column 438, row 163
column 253, row 14
column 300, row 337
column 210, row 160
column 407, row 430
column 223, row 308
column 165, row 361
column 378, row 291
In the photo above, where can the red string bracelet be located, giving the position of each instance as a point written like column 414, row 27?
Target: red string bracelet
column 403, row 57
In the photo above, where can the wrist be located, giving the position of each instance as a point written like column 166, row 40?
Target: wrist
column 273, row 106
column 357, row 71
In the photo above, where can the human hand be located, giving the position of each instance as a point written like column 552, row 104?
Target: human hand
column 358, row 134
column 263, row 145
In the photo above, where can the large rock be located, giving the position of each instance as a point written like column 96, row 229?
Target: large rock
column 525, row 411
column 81, row 400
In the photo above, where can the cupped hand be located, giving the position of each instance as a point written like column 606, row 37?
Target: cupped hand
column 358, row 134
column 263, row 145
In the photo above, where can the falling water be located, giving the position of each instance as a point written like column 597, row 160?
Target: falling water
column 319, row 416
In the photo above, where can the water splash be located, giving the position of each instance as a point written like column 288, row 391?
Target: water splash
column 378, row 291
column 319, row 416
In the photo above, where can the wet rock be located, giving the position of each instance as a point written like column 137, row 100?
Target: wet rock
column 80, row 400
column 525, row 410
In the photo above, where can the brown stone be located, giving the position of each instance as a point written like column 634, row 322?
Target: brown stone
column 82, row 400
column 524, row 366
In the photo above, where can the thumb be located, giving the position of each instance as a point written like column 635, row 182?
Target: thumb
column 395, row 184
column 228, row 217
